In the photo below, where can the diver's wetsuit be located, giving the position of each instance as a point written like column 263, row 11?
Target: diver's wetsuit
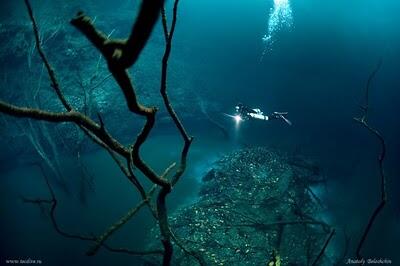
column 244, row 110
column 247, row 113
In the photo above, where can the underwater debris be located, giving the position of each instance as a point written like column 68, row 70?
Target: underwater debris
column 251, row 210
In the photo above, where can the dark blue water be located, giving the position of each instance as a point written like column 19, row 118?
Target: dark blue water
column 316, row 69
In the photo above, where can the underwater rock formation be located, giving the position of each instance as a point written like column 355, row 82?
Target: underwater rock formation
column 254, row 208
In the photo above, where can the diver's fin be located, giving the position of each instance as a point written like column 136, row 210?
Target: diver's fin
column 286, row 120
column 282, row 115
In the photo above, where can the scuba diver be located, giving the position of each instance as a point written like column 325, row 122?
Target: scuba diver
column 244, row 113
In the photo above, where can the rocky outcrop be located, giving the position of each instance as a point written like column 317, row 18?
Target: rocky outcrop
column 254, row 208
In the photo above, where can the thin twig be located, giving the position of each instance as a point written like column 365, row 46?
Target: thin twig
column 71, row 116
column 365, row 108
column 117, row 225
column 50, row 71
column 53, row 207
column 383, row 193
column 321, row 253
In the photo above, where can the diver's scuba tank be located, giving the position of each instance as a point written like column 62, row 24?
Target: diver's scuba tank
column 258, row 115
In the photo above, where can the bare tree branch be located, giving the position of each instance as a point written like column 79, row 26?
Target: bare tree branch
column 265, row 226
column 363, row 120
column 163, row 89
column 161, row 199
column 365, row 107
column 117, row 225
column 164, row 24
column 321, row 253
column 119, row 55
column 71, row 116
column 50, row 71
column 110, row 48
column 53, row 206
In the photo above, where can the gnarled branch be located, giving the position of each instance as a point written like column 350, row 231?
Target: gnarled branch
column 119, row 55
column 116, row 52
column 161, row 198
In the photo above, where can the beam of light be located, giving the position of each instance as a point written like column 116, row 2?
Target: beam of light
column 280, row 17
column 238, row 118
column 229, row 115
